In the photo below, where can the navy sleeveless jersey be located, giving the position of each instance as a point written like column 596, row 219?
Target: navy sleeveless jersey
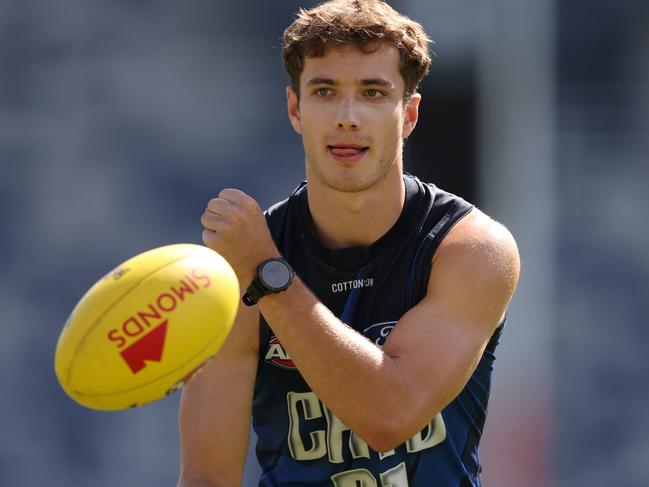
column 300, row 441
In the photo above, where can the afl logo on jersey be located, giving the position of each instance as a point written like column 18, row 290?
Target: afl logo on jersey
column 277, row 355
column 378, row 332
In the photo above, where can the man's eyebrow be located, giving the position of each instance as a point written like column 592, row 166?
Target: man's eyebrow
column 377, row 82
column 321, row 81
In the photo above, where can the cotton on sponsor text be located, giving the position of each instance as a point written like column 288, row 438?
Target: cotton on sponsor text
column 337, row 287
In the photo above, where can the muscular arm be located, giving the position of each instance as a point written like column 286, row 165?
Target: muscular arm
column 215, row 410
column 387, row 395
column 384, row 395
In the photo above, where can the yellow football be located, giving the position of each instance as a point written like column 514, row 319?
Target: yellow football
column 147, row 327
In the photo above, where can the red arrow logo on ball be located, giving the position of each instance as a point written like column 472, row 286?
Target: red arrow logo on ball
column 149, row 348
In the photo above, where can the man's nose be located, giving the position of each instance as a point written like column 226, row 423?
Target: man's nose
column 347, row 117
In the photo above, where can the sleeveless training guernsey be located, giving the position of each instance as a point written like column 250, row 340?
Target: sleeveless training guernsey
column 300, row 442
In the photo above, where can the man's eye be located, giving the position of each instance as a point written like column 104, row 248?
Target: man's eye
column 323, row 91
column 374, row 94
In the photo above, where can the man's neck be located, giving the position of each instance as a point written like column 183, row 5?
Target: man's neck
column 344, row 219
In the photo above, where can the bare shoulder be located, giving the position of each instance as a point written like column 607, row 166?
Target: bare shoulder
column 479, row 259
column 479, row 236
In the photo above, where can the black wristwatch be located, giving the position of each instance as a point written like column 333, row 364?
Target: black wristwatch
column 273, row 276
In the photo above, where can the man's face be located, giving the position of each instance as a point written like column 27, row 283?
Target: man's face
column 351, row 116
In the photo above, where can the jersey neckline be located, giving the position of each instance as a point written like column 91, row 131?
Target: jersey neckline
column 351, row 259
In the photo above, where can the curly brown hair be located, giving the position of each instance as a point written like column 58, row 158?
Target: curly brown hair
column 365, row 24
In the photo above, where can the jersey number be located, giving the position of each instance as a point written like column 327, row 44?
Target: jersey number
column 395, row 477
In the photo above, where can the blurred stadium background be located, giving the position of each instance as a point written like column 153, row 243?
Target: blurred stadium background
column 120, row 119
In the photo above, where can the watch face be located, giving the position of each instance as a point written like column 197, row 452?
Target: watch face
column 275, row 274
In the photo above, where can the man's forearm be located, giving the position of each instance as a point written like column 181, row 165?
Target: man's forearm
column 351, row 375
column 184, row 481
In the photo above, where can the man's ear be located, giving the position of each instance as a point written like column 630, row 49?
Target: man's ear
column 293, row 106
column 411, row 112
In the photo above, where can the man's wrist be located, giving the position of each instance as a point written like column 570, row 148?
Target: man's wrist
column 273, row 276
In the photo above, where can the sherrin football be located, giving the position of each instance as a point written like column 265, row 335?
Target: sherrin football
column 143, row 330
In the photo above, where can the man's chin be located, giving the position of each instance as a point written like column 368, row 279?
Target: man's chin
column 349, row 183
column 353, row 178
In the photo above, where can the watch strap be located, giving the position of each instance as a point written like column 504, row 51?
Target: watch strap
column 253, row 294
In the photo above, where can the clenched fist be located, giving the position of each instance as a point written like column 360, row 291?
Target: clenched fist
column 235, row 227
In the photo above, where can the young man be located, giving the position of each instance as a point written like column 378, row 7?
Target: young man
column 373, row 302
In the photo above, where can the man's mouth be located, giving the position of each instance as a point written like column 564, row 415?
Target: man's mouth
column 347, row 152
